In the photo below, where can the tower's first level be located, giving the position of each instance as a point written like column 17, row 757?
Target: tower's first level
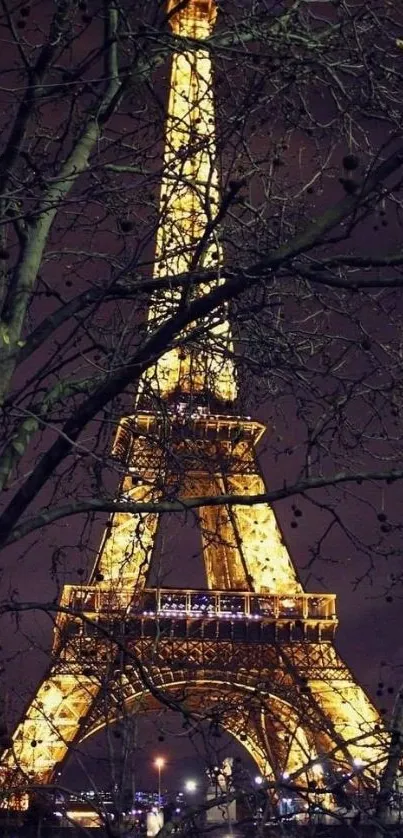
column 263, row 668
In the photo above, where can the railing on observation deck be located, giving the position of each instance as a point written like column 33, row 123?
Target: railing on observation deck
column 196, row 604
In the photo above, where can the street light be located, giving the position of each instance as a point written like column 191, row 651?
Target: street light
column 159, row 764
column 358, row 762
column 190, row 785
column 258, row 780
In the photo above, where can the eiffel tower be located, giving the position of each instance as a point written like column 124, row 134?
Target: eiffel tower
column 253, row 652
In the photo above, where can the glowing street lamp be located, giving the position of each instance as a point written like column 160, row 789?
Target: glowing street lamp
column 258, row 780
column 190, row 786
column 159, row 764
column 358, row 762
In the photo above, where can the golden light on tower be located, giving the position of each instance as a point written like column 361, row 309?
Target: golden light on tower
column 189, row 203
column 253, row 641
column 196, row 19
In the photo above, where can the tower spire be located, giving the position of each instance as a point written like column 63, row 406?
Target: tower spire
column 188, row 236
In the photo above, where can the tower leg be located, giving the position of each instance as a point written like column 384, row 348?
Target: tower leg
column 354, row 719
column 51, row 723
column 225, row 568
column 266, row 557
column 126, row 550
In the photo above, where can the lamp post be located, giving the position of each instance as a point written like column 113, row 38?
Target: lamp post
column 159, row 764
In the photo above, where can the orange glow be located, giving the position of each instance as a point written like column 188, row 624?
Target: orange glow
column 159, row 762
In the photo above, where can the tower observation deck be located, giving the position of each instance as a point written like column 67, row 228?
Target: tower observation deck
column 253, row 649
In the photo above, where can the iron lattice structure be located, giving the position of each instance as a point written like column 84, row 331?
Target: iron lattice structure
column 253, row 651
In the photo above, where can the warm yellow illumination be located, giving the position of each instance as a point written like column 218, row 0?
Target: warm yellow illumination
column 159, row 762
column 128, row 542
column 243, row 546
column 195, row 20
column 352, row 715
column 265, row 554
column 52, row 721
column 188, row 238
column 254, row 644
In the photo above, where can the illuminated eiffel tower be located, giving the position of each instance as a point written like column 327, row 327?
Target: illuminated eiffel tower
column 253, row 653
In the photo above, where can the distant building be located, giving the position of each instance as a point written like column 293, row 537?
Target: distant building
column 89, row 809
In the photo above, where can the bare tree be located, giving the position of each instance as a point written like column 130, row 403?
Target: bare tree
column 309, row 151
